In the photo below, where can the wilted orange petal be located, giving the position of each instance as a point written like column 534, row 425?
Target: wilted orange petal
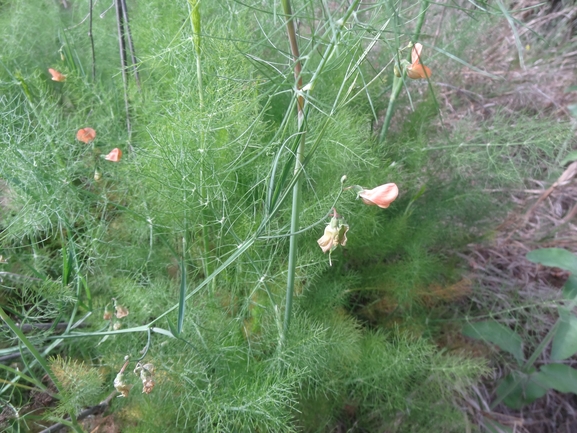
column 86, row 135
column 57, row 76
column 416, row 53
column 418, row 71
column 121, row 311
column 114, row 155
column 327, row 240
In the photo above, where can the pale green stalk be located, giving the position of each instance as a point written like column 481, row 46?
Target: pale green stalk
column 296, row 204
column 196, row 40
column 300, row 155
column 398, row 81
column 195, row 21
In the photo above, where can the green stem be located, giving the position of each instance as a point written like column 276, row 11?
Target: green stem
column 300, row 154
column 398, row 81
column 296, row 204
column 196, row 40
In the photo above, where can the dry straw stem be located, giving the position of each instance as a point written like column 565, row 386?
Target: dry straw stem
column 544, row 214
column 504, row 279
column 540, row 88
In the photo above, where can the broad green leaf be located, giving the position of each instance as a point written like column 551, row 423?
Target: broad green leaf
column 573, row 110
column 493, row 332
column 557, row 257
column 519, row 389
column 565, row 339
column 570, row 288
column 560, row 377
column 571, row 156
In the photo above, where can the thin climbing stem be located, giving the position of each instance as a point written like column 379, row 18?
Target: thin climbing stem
column 398, row 81
column 91, row 36
column 123, row 61
column 130, row 43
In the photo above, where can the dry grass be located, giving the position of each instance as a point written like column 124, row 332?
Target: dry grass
column 507, row 280
column 521, row 293
column 549, row 52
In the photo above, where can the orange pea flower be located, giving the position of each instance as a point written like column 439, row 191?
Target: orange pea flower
column 415, row 70
column 86, row 135
column 57, row 76
column 381, row 196
column 114, row 155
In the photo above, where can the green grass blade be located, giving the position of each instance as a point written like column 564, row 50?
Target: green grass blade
column 182, row 292
column 27, row 378
column 29, row 346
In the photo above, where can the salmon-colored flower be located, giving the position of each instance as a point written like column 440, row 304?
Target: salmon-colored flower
column 86, row 135
column 415, row 70
column 114, row 155
column 381, row 196
column 57, row 76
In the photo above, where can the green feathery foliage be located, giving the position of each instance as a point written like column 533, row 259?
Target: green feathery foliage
column 206, row 178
